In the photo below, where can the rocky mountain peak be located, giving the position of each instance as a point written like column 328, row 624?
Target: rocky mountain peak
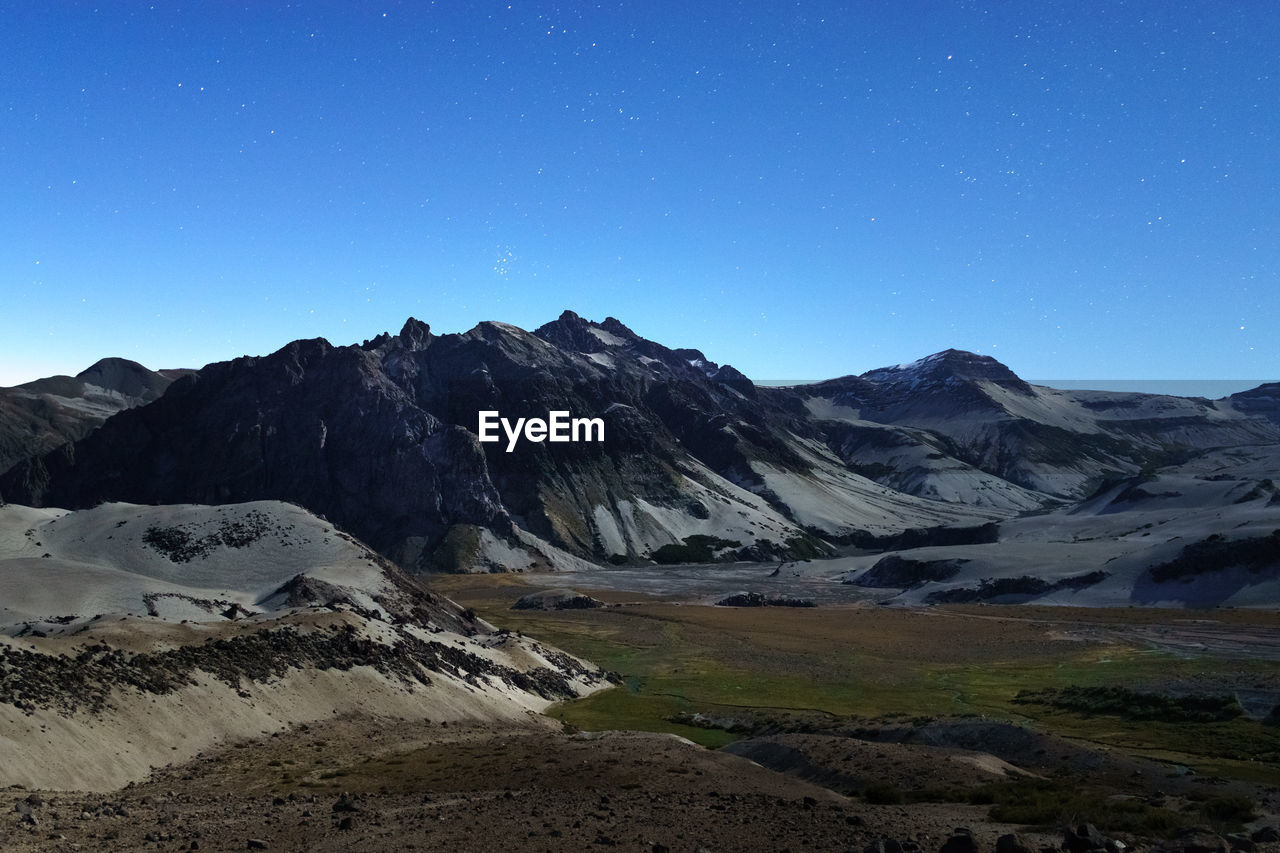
column 615, row 326
column 572, row 332
column 121, row 374
column 950, row 364
column 298, row 356
column 697, row 359
column 415, row 334
column 736, row 379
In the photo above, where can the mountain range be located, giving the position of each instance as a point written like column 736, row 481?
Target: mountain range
column 698, row 462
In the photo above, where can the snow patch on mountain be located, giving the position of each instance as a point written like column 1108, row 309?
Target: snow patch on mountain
column 606, row 337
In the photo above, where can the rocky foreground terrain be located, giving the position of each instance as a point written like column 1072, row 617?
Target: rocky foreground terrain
column 372, row 784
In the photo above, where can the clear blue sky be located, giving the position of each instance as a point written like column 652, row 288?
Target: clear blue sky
column 800, row 189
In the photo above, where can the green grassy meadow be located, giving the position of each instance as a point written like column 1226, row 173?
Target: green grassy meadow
column 879, row 664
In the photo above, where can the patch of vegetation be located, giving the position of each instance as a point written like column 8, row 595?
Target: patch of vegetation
column 1052, row 803
column 1022, row 585
column 174, row 542
column 905, row 573
column 1133, row 705
column 698, row 548
column 923, row 537
column 883, row 794
column 1229, row 812
column 1111, row 479
column 739, row 664
column 181, row 546
column 759, row 599
column 871, row 470
column 938, row 795
column 457, row 551
column 1215, row 553
column 629, row 709
column 1058, row 446
column 805, row 546
column 1263, row 488
column 30, row 680
column 702, row 721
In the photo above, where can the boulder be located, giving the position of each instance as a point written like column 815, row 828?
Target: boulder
column 961, row 842
column 1083, row 838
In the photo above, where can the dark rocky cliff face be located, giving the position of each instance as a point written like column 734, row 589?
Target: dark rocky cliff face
column 321, row 426
column 380, row 438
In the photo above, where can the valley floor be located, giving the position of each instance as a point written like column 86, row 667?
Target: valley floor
column 682, row 656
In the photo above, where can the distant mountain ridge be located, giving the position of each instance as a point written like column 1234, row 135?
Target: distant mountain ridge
column 1209, row 389
column 380, row 439
column 36, row 417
